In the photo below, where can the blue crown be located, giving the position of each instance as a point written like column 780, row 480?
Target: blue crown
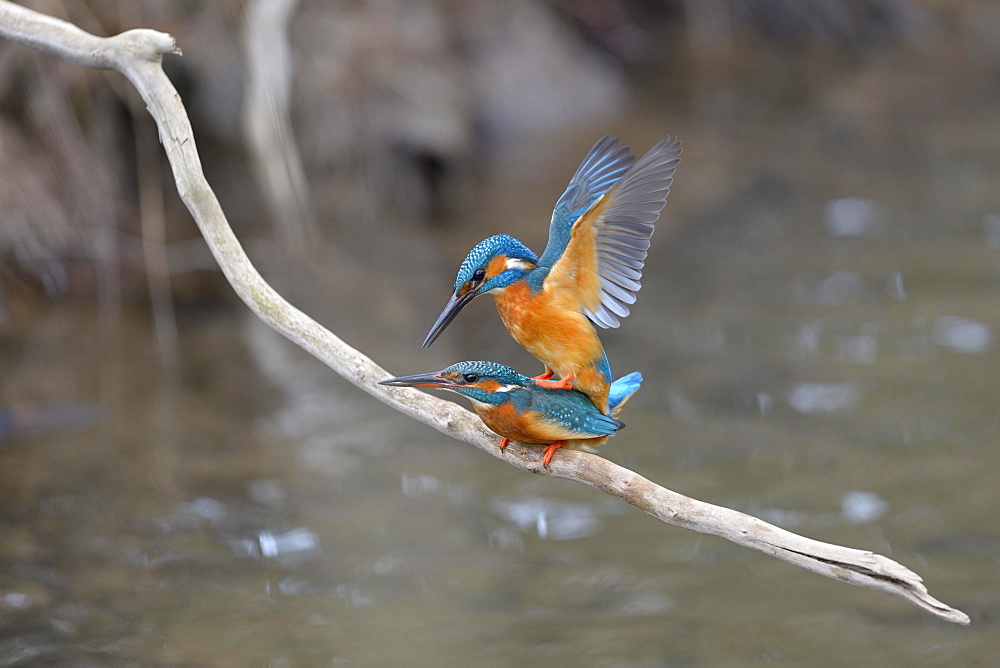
column 499, row 372
column 485, row 250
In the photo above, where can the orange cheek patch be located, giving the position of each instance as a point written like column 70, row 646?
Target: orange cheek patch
column 496, row 266
column 488, row 384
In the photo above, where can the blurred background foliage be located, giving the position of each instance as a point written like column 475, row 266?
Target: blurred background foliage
column 394, row 112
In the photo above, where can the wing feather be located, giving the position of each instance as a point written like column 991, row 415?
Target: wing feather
column 615, row 236
column 618, row 309
column 622, row 295
column 560, row 415
column 633, row 257
column 634, row 228
column 603, row 318
column 611, row 238
column 612, row 264
column 574, row 422
column 602, row 167
column 618, row 279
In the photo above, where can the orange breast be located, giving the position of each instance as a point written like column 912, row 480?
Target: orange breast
column 504, row 420
column 548, row 327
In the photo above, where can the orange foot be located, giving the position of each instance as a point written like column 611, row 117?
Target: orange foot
column 545, row 376
column 564, row 383
column 549, row 451
column 503, row 443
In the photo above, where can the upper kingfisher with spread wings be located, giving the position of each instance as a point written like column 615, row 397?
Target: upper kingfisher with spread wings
column 589, row 272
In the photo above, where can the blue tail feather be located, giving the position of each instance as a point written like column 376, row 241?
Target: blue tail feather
column 623, row 389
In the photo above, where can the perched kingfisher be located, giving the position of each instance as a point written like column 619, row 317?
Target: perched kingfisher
column 589, row 272
column 518, row 409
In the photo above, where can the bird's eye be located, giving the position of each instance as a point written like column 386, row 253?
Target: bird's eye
column 470, row 377
column 479, row 276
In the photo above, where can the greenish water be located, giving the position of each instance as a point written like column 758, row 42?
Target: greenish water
column 818, row 329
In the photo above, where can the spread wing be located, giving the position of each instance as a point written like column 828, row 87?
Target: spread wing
column 601, row 261
column 601, row 168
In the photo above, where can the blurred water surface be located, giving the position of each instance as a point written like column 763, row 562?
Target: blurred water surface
column 818, row 330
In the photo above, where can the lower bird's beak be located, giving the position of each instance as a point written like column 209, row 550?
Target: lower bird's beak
column 419, row 380
column 455, row 304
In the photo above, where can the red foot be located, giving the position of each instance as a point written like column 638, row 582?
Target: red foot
column 564, row 383
column 503, row 443
column 545, row 376
column 549, row 451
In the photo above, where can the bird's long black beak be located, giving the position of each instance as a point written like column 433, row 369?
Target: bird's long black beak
column 455, row 304
column 419, row 380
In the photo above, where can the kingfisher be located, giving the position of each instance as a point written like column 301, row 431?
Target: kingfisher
column 518, row 409
column 589, row 272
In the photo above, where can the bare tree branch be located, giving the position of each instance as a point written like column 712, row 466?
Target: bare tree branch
column 137, row 55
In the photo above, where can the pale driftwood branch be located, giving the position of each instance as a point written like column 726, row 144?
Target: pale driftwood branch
column 137, row 55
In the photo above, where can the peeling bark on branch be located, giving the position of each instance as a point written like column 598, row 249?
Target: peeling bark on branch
column 137, row 55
